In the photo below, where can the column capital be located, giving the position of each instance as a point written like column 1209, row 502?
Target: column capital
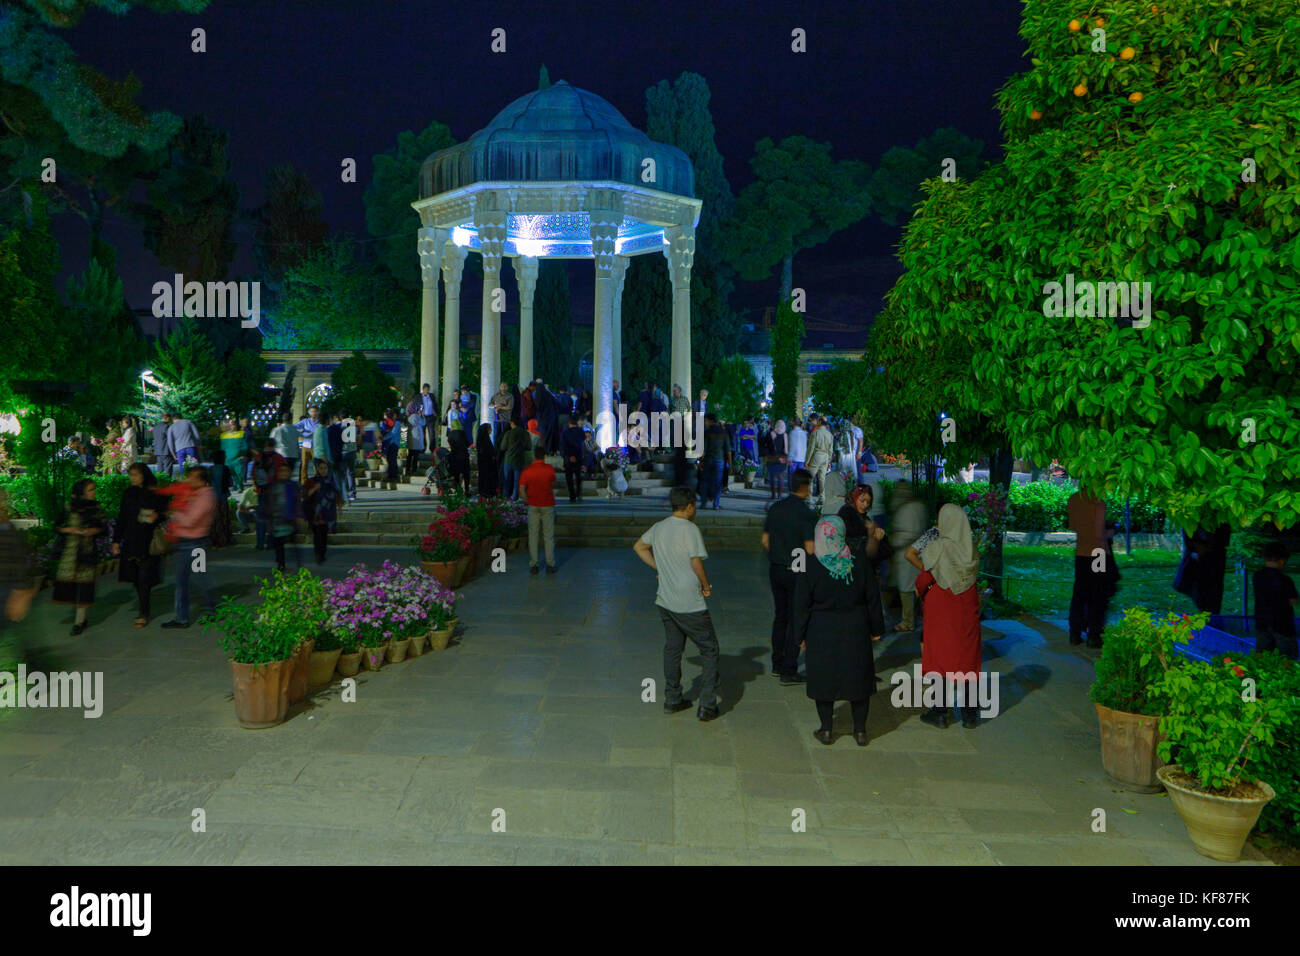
column 604, row 238
column 453, row 266
column 680, row 253
column 619, row 272
column 526, row 269
column 428, row 246
column 491, row 225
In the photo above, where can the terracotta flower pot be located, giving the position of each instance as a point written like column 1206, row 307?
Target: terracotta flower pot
column 372, row 658
column 301, row 670
column 396, row 650
column 1217, row 825
column 417, row 645
column 450, row 574
column 350, row 664
column 261, row 693
column 321, row 669
column 1128, row 748
column 483, row 556
column 439, row 639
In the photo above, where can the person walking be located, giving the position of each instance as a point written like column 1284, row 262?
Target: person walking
column 458, row 440
column 320, row 442
column 285, row 437
column 777, row 460
column 820, row 446
column 675, row 549
column 284, row 508
column 516, row 448
column 183, row 437
column 222, row 482
column 321, row 500
column 16, row 592
column 836, row 609
column 266, row 472
column 163, row 455
column 906, row 523
column 787, row 536
column 307, row 428
column 391, row 439
column 798, row 445
column 80, row 523
column 714, row 459
column 538, row 485
column 572, row 448
column 347, row 470
column 547, row 417
column 189, row 527
column 415, row 432
column 130, row 441
column 233, row 443
column 950, row 642
column 487, row 463
column 429, row 409
column 866, row 539
column 503, row 404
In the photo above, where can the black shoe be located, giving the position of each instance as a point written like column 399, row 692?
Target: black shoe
column 970, row 721
column 176, row 624
column 936, row 717
column 824, row 737
column 789, row 680
column 78, row 628
column 551, row 569
column 707, row 713
column 677, row 707
column 860, row 738
column 534, row 569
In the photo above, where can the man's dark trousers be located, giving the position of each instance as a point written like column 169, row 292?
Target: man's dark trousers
column 698, row 627
column 573, row 478
column 1088, row 601
column 785, row 643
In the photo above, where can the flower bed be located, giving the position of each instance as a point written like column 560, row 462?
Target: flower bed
column 369, row 607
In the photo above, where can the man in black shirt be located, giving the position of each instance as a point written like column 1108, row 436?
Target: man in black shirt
column 1275, row 599
column 715, row 458
column 787, row 539
column 572, row 447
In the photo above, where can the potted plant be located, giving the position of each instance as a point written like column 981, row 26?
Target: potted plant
column 375, row 461
column 1215, row 724
column 349, row 654
column 260, row 663
column 1133, row 660
column 479, row 520
column 442, row 619
column 295, row 604
column 325, row 658
column 513, row 524
column 444, row 552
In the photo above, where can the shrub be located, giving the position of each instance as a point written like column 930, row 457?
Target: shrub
column 1278, row 679
column 1134, row 657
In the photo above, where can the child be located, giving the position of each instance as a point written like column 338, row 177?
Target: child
column 1275, row 596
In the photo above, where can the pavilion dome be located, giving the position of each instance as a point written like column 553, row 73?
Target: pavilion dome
column 559, row 134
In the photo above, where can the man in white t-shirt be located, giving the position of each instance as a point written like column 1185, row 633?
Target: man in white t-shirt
column 675, row 548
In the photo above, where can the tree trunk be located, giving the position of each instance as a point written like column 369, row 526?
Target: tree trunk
column 1000, row 470
column 787, row 277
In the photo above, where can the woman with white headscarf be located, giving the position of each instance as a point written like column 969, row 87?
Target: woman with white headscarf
column 950, row 647
column 836, row 610
column 776, row 457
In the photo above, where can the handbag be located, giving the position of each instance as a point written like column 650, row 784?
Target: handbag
column 159, row 544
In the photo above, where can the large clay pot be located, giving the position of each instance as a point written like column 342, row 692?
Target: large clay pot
column 1128, row 748
column 417, row 645
column 301, row 670
column 372, row 658
column 439, row 639
column 1217, row 825
column 261, row 693
column 350, row 664
column 323, row 664
column 450, row 574
column 397, row 650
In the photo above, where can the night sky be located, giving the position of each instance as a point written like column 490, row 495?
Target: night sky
column 313, row 82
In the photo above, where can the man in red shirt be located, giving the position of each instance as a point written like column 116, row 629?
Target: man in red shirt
column 537, row 484
column 191, row 520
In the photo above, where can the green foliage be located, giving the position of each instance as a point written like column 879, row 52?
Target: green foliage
column 189, row 376
column 97, row 312
column 243, row 637
column 895, row 187
column 1134, row 657
column 389, row 194
column 243, row 381
column 841, row 390
column 361, row 387
column 647, row 323
column 289, row 225
column 553, row 359
column 734, row 390
column 293, row 605
column 787, row 340
column 1278, row 679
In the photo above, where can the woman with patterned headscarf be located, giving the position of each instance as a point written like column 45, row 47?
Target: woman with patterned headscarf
column 80, row 524
column 950, row 647
column 835, row 617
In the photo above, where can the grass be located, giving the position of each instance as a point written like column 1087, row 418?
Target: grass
column 1041, row 577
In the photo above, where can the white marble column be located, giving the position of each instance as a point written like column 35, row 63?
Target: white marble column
column 620, row 275
column 492, row 241
column 681, row 254
column 429, row 245
column 605, row 220
column 526, row 275
column 453, row 266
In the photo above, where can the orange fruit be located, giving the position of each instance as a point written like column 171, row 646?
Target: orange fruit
column 1100, row 21
column 1154, row 8
column 1081, row 90
column 1135, row 97
column 1127, row 53
column 1035, row 115
column 1075, row 26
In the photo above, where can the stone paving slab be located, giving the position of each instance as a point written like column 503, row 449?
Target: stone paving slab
column 537, row 710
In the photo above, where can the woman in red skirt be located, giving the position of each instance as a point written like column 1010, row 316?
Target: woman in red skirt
column 946, row 590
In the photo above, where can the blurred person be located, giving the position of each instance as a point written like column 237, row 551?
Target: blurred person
column 189, row 527
column 788, row 530
column 80, row 523
column 906, row 524
column 141, row 512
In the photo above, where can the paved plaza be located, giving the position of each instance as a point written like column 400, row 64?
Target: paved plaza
column 537, row 711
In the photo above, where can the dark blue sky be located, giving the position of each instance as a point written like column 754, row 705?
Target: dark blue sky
column 313, row 81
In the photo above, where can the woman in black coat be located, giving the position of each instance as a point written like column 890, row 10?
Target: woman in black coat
column 866, row 539
column 487, row 463
column 836, row 610
column 142, row 510
column 458, row 442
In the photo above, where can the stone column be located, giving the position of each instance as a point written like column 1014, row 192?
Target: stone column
column 606, row 215
column 429, row 245
column 492, row 241
column 621, row 264
column 680, row 252
column 526, row 275
column 453, row 265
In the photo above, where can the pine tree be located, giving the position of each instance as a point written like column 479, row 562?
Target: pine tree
column 787, row 340
column 647, row 322
column 553, row 359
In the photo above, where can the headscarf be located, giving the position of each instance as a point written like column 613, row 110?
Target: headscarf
column 832, row 548
column 952, row 558
column 486, row 453
column 532, row 427
column 779, row 427
column 858, row 492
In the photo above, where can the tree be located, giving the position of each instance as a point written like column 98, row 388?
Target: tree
column 361, row 387
column 188, row 375
column 192, row 203
column 895, row 187
column 787, row 341
column 840, row 391
column 289, row 228
column 388, row 197
column 243, row 381
column 647, row 322
column 735, row 391
column 553, row 359
column 1200, row 408
column 97, row 312
column 799, row 199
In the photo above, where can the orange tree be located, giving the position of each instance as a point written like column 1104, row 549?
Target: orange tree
column 1191, row 186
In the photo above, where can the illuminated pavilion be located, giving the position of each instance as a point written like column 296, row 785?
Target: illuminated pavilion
column 559, row 173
